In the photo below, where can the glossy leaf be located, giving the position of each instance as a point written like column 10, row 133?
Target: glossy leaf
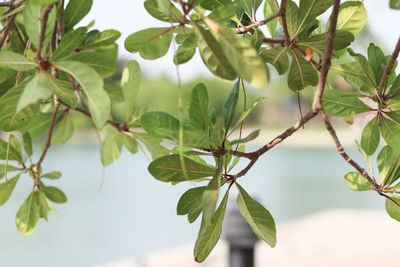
column 212, row 54
column 240, row 54
column 230, row 105
column 7, row 188
column 130, row 83
column 198, row 107
column 393, row 208
column 190, row 203
column 64, row 130
column 75, row 11
column 168, row 168
column 35, row 90
column 355, row 181
column 14, row 61
column 390, row 132
column 259, row 219
column 28, row 215
column 277, row 56
column 111, row 147
column 352, row 16
column 301, row 73
column 92, row 85
column 371, row 136
column 338, row 103
column 54, row 194
column 69, row 43
column 210, row 233
column 150, row 43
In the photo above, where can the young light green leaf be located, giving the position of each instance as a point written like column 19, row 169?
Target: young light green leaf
column 14, row 61
column 301, row 73
column 271, row 7
column 130, row 83
column 43, row 204
column 355, row 181
column 111, row 147
column 159, row 123
column 104, row 38
column 365, row 67
column 35, row 90
column 51, row 175
column 28, row 215
column 64, row 130
column 92, row 85
column 352, row 16
column 390, row 132
column 354, row 75
column 7, row 188
column 230, row 105
column 69, row 43
column 43, row 2
column 130, row 143
column 114, row 91
column 393, row 207
column 388, row 164
column 209, row 233
column 37, row 126
column 168, row 168
column 14, row 143
column 240, row 54
column 183, row 55
column 62, row 89
column 337, row 103
column 198, row 107
column 153, row 144
column 245, row 114
column 250, row 6
column 210, row 196
column 54, row 194
column 259, row 219
column 190, row 203
column 101, row 62
column 277, row 56
column 376, row 60
column 212, row 54
column 7, row 151
column 75, row 11
column 153, row 8
column 27, row 141
column 253, row 135
column 150, row 43
column 395, row 4
column 371, row 136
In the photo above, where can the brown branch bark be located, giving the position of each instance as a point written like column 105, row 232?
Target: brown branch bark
column 282, row 14
column 246, row 29
column 43, row 19
column 388, row 69
column 274, row 41
column 6, row 30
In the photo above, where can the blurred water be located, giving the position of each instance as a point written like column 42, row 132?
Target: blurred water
column 134, row 214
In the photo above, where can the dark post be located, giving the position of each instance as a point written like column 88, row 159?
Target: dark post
column 240, row 237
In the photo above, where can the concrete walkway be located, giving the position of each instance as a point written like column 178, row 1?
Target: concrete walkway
column 344, row 238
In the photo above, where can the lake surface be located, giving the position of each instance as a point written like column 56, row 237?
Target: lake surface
column 134, row 214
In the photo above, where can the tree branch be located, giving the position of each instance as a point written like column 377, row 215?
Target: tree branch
column 282, row 14
column 246, row 29
column 388, row 69
column 43, row 19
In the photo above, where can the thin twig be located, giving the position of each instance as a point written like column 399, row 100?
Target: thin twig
column 274, row 41
column 388, row 69
column 282, row 13
column 248, row 28
column 6, row 30
column 43, row 19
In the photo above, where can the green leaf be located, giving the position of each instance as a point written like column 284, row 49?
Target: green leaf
column 371, row 136
column 101, row 62
column 210, row 196
column 301, row 73
column 292, row 17
column 111, row 147
column 183, row 55
column 338, row 103
column 54, row 194
column 393, row 209
column 395, row 4
column 151, row 43
column 64, row 130
column 43, row 2
column 390, row 132
column 159, row 123
column 14, row 61
column 395, row 88
column 92, row 85
column 168, row 168
column 245, row 114
column 365, row 156
column 152, row 144
column 209, row 233
column 198, row 107
column 259, row 219
column 190, row 203
column 271, row 7
column 104, row 38
column 130, row 143
column 62, row 89
column 35, row 90
column 309, row 10
column 253, row 135
column 153, row 8
column 37, row 126
column 352, row 16
column 27, row 140
column 277, row 56
column 250, row 6
column 75, row 11
column 51, row 175
column 354, row 75
column 212, row 54
column 240, row 54
column 387, row 164
column 365, row 67
column 376, row 60
column 230, row 105
column 32, row 23
column 69, row 43
column 43, row 204
column 355, row 181
column 14, row 143
column 7, row 188
column 9, row 168
column 114, row 91
column 130, row 83
column 28, row 215
column 8, row 152
column 223, row 13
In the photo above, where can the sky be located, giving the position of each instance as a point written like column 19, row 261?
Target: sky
column 129, row 16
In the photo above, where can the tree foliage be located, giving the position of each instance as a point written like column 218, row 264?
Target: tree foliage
column 51, row 68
